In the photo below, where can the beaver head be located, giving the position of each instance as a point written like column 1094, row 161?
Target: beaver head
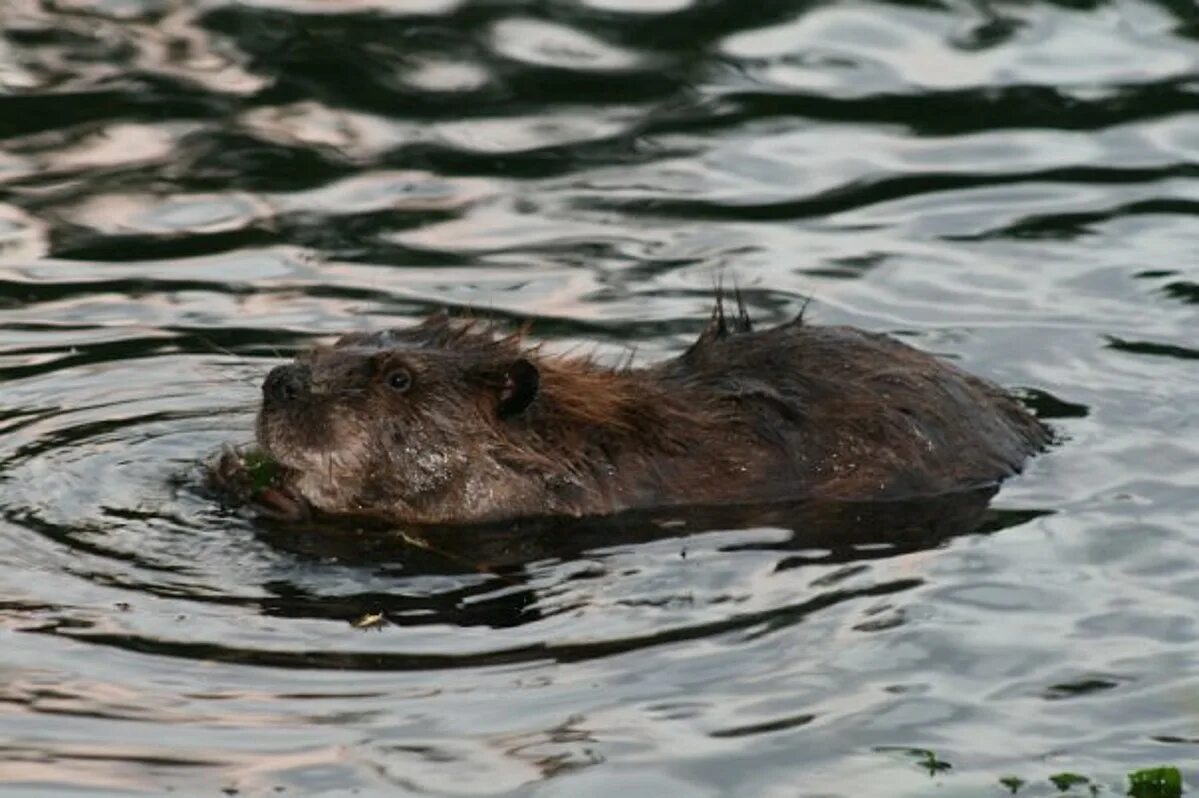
column 450, row 421
column 399, row 419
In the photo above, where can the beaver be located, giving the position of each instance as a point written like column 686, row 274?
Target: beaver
column 458, row 421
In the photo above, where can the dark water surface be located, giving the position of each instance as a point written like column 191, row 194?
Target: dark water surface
column 190, row 190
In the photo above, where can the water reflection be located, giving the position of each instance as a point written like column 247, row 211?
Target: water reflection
column 190, row 191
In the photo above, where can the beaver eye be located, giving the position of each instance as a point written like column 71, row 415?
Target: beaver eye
column 399, row 380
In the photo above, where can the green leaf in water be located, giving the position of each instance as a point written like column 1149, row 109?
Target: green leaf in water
column 1163, row 782
column 1064, row 781
column 1013, row 783
column 924, row 758
column 934, row 765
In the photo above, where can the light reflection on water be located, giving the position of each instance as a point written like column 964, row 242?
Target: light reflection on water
column 190, row 191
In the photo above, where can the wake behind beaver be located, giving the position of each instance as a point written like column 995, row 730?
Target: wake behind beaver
column 454, row 421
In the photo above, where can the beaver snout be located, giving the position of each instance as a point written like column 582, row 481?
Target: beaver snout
column 286, row 384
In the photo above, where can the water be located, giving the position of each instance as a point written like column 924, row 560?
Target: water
column 191, row 190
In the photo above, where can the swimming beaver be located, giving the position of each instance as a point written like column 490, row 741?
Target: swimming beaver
column 452, row 421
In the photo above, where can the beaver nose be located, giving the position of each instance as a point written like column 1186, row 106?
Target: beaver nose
column 285, row 384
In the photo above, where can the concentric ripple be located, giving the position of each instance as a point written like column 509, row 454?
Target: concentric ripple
column 192, row 191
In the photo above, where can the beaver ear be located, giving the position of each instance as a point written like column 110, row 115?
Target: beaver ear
column 520, row 388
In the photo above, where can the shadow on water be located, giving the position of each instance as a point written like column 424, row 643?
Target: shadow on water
column 819, row 533
column 816, row 533
column 846, row 531
column 495, row 576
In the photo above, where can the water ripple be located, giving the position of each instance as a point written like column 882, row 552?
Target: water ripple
column 190, row 192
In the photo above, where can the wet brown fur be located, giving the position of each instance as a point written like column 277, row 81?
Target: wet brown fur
column 741, row 416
